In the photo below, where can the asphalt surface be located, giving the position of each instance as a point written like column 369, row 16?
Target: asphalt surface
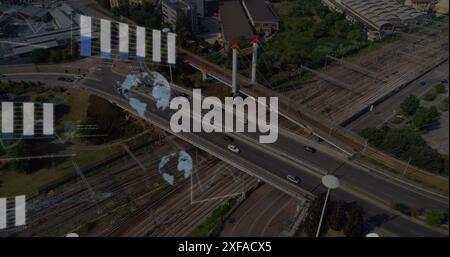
column 274, row 163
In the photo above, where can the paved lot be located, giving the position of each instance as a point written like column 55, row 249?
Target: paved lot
column 437, row 138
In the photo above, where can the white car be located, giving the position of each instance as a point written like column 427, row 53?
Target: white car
column 233, row 148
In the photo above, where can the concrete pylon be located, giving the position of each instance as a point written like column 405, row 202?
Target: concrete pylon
column 204, row 74
column 234, row 85
column 255, row 41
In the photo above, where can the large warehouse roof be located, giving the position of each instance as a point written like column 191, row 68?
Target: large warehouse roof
column 379, row 13
column 234, row 22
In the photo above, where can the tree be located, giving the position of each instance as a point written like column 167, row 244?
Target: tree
column 105, row 117
column 341, row 28
column 435, row 217
column 356, row 36
column 27, row 148
column 337, row 217
column 354, row 226
column 39, row 55
column 311, row 222
column 319, row 29
column 374, row 136
column 410, row 105
column 424, row 117
column 183, row 29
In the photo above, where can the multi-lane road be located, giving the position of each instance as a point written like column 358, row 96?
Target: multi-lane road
column 284, row 157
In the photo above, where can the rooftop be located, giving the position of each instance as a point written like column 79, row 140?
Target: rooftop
column 233, row 20
column 259, row 10
column 176, row 4
column 382, row 12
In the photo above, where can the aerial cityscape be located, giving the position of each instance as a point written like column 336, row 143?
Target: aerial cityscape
column 224, row 119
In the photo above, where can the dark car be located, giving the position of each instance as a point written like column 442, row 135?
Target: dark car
column 62, row 78
column 423, row 83
column 294, row 179
column 309, row 149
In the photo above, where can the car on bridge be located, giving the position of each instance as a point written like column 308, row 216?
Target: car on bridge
column 294, row 179
column 228, row 138
column 234, row 149
column 309, row 149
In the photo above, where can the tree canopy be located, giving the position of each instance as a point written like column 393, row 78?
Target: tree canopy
column 410, row 105
column 407, row 144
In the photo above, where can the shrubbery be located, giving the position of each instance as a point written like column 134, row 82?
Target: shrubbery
column 405, row 143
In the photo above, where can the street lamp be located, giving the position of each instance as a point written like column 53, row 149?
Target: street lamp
column 330, row 182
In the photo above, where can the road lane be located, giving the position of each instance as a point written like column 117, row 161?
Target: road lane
column 277, row 166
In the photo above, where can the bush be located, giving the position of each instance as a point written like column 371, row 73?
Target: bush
column 435, row 217
column 430, row 96
column 406, row 143
column 440, row 88
column 397, row 120
column 444, row 105
column 410, row 105
column 40, row 55
column 423, row 118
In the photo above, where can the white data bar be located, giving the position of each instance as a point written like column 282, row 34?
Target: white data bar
column 171, row 48
column 3, row 213
column 48, row 119
column 7, row 117
column 140, row 42
column 20, row 210
column 123, row 40
column 156, row 46
column 85, row 35
column 28, row 119
column 105, row 38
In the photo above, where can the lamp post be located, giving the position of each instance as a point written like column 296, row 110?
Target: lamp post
column 330, row 182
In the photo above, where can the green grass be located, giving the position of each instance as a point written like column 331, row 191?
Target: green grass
column 397, row 120
column 213, row 221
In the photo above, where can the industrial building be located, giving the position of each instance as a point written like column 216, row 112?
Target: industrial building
column 172, row 8
column 26, row 27
column 234, row 23
column 380, row 15
column 261, row 16
column 419, row 5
